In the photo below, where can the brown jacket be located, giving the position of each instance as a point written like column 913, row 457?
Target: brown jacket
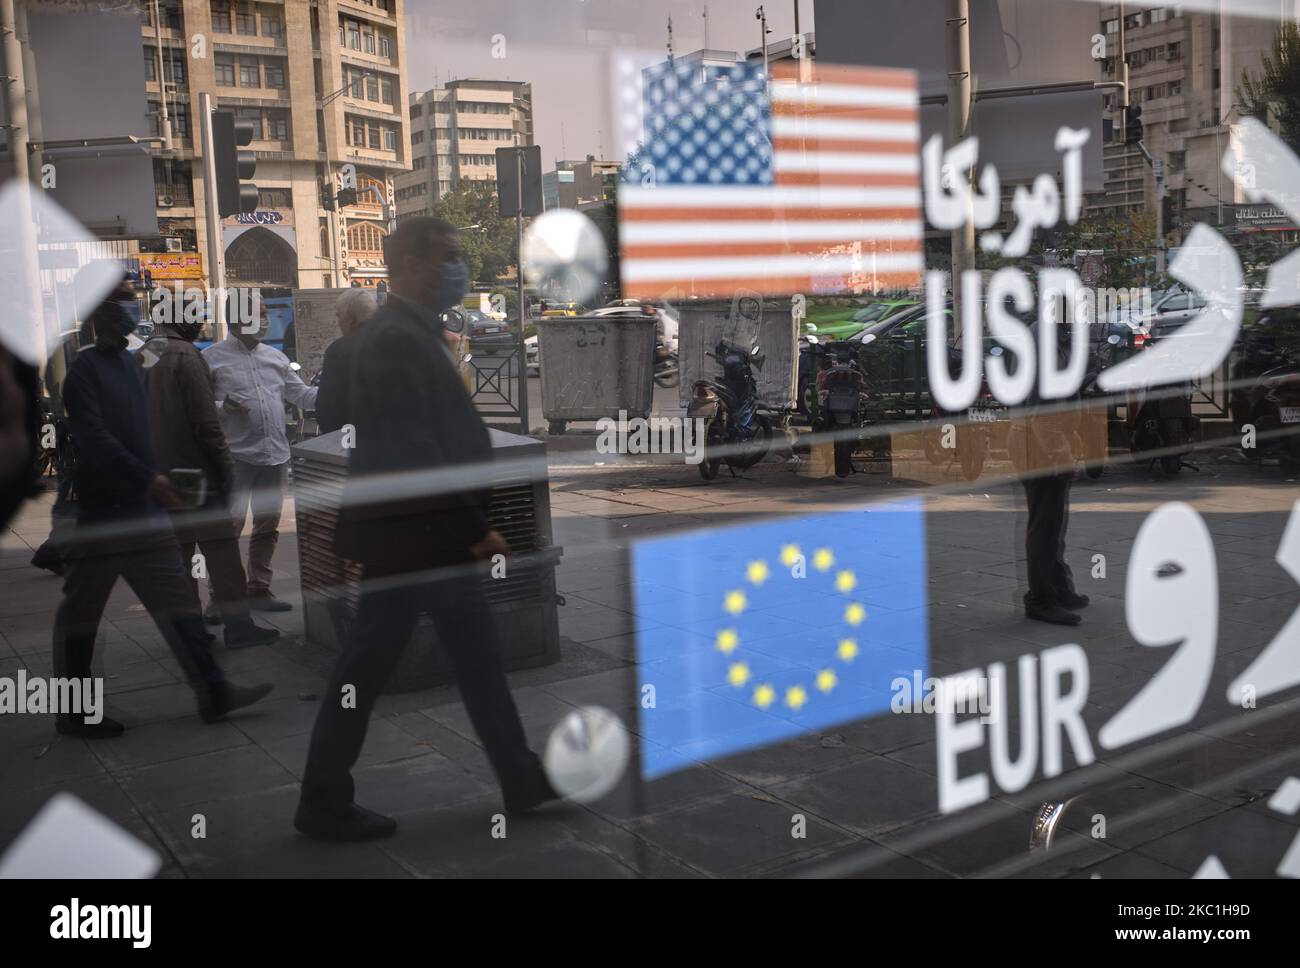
column 183, row 410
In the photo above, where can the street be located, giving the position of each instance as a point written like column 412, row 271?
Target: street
column 862, row 795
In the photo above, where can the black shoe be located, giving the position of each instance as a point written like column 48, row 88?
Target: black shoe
column 48, row 560
column 266, row 602
column 1073, row 600
column 349, row 823
column 531, row 795
column 245, row 635
column 1052, row 613
column 212, row 615
column 76, row 726
column 216, row 702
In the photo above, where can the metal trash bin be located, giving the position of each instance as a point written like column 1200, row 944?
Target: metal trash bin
column 769, row 323
column 595, row 366
column 523, row 603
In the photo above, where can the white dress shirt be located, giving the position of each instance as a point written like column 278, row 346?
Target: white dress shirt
column 262, row 381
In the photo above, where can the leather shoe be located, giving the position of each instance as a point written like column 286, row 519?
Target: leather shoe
column 246, row 634
column 266, row 602
column 216, row 702
column 349, row 823
column 77, row 726
column 1052, row 613
column 1073, row 600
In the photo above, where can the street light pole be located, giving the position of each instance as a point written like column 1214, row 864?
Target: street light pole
column 959, row 124
column 521, row 348
column 761, row 16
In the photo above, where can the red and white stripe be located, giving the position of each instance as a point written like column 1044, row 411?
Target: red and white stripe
column 846, row 198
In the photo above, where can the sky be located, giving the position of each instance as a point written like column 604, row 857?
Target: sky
column 563, row 46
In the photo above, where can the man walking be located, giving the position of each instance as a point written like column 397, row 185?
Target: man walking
column 122, row 529
column 187, row 434
column 252, row 381
column 418, row 539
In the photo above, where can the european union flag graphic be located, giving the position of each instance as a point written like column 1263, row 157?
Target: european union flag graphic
column 768, row 631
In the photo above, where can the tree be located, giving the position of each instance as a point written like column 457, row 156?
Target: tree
column 1276, row 88
column 490, row 249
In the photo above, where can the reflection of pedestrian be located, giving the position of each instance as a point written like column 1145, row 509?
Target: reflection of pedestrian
column 417, row 548
column 1041, row 442
column 19, row 433
column 252, row 383
column 354, row 308
column 187, row 434
column 122, row 528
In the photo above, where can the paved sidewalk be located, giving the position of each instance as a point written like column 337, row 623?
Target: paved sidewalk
column 866, row 791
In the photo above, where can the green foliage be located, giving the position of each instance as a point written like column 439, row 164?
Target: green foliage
column 1275, row 89
column 490, row 249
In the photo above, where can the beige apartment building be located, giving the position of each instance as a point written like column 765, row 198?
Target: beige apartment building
column 1185, row 68
column 323, row 82
column 455, row 132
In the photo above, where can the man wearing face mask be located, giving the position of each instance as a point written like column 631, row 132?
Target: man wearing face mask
column 122, row 525
column 187, row 434
column 252, row 382
column 418, row 547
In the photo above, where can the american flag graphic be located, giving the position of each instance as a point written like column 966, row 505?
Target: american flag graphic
column 778, row 185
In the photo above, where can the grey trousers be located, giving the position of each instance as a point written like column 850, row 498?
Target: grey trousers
column 261, row 488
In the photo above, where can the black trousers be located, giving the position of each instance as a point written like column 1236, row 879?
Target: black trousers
column 154, row 571
column 385, row 619
column 1049, row 515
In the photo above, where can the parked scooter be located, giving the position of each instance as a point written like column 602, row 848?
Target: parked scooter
column 841, row 391
column 736, row 431
column 973, row 435
column 1163, row 420
column 1274, row 411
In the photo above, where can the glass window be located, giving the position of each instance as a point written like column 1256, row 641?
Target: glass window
column 221, row 16
column 274, row 74
column 385, row 46
column 372, row 88
column 390, row 140
column 248, row 72
column 277, row 125
column 245, row 19
column 374, row 136
column 272, row 25
column 224, row 66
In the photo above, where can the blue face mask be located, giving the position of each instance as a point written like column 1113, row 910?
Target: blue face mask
column 452, row 286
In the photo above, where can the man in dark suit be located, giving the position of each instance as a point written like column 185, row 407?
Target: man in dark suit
column 414, row 521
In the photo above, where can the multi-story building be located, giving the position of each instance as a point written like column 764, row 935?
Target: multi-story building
column 323, row 83
column 455, row 132
column 1185, row 68
column 579, row 184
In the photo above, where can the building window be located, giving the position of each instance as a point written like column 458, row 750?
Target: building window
column 277, row 124
column 358, row 129
column 374, row 136
column 370, row 40
column 254, row 117
column 245, row 19
column 274, row 198
column 390, row 139
column 417, row 137
column 248, row 73
column 416, row 111
column 417, row 163
column 372, row 87
column 385, row 46
column 354, row 35
column 221, row 16
column 274, row 73
column 365, row 238
column 386, row 90
column 272, row 25
column 224, row 66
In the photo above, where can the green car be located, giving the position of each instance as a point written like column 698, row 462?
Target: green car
column 840, row 328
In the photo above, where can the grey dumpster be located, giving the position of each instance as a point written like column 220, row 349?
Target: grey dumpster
column 523, row 602
column 768, row 323
column 595, row 366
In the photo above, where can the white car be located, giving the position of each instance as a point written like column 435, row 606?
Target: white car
column 533, row 355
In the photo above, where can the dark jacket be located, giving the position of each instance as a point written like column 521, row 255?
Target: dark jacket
column 183, row 411
column 412, row 414
column 20, row 481
column 109, row 412
column 335, row 383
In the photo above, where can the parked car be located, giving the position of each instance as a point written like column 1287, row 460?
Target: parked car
column 533, row 355
column 487, row 335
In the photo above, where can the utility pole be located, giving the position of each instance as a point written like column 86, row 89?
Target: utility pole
column 212, row 218
column 520, row 349
column 28, row 302
column 761, row 16
column 164, row 117
column 796, row 18
column 957, row 44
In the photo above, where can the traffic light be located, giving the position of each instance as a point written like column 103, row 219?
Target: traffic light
column 1133, row 124
column 234, row 194
column 346, row 197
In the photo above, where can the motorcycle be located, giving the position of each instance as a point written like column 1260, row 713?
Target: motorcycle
column 1274, row 411
column 729, row 407
column 1163, row 420
column 973, row 435
column 841, row 387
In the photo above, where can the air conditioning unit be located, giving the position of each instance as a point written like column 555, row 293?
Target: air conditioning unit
column 166, row 201
column 173, row 244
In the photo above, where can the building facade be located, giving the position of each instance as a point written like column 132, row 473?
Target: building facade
column 580, row 184
column 455, row 132
column 1185, row 70
column 323, row 83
